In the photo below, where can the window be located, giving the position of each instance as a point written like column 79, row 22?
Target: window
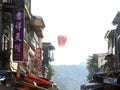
column 51, row 55
column 5, row 42
column 33, row 40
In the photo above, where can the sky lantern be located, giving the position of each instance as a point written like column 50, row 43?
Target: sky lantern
column 62, row 40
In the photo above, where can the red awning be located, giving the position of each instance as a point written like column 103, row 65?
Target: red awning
column 44, row 81
column 29, row 85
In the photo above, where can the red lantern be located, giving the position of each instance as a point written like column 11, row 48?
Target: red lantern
column 62, row 40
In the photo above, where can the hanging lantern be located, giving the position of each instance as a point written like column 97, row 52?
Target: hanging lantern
column 62, row 40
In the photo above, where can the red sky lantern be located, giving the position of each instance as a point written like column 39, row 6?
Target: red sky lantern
column 62, row 40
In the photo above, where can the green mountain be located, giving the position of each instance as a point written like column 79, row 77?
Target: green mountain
column 70, row 77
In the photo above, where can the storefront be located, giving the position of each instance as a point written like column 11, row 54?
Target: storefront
column 109, row 80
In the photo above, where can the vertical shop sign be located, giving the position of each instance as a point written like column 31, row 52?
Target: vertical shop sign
column 18, row 33
column 38, row 53
column 25, row 51
column 37, row 63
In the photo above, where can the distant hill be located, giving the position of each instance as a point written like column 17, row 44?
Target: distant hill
column 70, row 77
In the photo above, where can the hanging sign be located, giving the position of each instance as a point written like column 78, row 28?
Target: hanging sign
column 25, row 51
column 18, row 33
column 110, row 80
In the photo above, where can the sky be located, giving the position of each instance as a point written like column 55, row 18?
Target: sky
column 83, row 22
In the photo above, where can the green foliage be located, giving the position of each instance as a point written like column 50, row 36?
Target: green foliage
column 108, row 65
column 92, row 66
column 51, row 71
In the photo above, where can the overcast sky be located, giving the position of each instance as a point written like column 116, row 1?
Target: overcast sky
column 84, row 22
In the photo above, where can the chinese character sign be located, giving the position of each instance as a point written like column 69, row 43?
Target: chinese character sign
column 18, row 35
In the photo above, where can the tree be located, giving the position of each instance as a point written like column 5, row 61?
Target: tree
column 92, row 65
column 51, row 71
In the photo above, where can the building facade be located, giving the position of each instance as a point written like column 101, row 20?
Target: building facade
column 109, row 77
column 48, row 56
column 21, row 47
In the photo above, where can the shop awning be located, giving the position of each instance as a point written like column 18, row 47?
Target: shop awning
column 31, row 81
column 37, row 22
column 29, row 85
column 42, row 80
column 98, row 77
column 27, row 80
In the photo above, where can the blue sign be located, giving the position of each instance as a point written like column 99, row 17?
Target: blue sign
column 18, row 35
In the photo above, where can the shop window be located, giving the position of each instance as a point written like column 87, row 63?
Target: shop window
column 51, row 55
column 5, row 43
column 33, row 40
